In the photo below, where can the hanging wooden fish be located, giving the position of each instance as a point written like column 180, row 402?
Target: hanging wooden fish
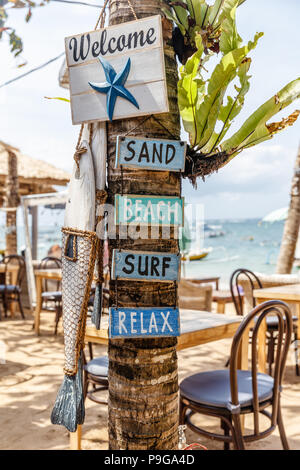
column 80, row 244
column 99, row 153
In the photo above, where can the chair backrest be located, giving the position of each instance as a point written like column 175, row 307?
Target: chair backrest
column 19, row 262
column 235, row 287
column 255, row 319
column 194, row 296
column 50, row 262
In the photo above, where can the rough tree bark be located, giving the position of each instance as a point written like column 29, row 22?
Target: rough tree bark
column 11, row 201
column 291, row 228
column 143, row 382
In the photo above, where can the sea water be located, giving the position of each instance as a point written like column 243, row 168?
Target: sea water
column 245, row 244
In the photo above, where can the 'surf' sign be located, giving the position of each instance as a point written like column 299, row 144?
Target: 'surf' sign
column 149, row 210
column 141, row 322
column 117, row 72
column 151, row 154
column 145, row 266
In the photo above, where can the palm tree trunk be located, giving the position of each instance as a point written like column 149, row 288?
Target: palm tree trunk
column 143, row 382
column 291, row 229
column 11, row 201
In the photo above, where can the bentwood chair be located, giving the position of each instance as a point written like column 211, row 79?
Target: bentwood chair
column 272, row 322
column 95, row 377
column 12, row 292
column 51, row 295
column 229, row 394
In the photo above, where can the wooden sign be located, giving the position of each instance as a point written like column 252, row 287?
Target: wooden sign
column 141, row 322
column 150, row 154
column 117, row 72
column 145, row 266
column 149, row 210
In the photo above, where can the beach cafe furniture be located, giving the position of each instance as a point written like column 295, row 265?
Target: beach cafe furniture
column 194, row 296
column 220, row 297
column 289, row 294
column 13, row 269
column 10, row 270
column 230, row 394
column 96, row 375
column 197, row 327
column 41, row 275
column 51, row 289
column 253, row 281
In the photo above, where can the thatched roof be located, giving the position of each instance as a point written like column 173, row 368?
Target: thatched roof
column 35, row 176
column 32, row 170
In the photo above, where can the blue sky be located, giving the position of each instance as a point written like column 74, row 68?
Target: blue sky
column 252, row 185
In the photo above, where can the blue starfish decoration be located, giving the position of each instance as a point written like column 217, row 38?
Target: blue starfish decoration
column 114, row 86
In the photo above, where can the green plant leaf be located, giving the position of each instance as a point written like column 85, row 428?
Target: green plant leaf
column 229, row 38
column 171, row 16
column 191, row 87
column 208, row 111
column 233, row 107
column 57, row 98
column 255, row 129
column 181, row 14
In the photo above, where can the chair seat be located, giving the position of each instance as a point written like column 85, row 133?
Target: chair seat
column 9, row 288
column 222, row 296
column 51, row 295
column 272, row 321
column 213, row 388
column 98, row 366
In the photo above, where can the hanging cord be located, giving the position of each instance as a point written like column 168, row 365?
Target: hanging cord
column 132, row 9
column 81, row 150
column 101, row 18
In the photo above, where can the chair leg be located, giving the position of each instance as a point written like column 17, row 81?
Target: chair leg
column 271, row 351
column 237, row 431
column 57, row 318
column 226, row 430
column 5, row 305
column 296, row 351
column 283, row 437
column 21, row 307
column 182, row 410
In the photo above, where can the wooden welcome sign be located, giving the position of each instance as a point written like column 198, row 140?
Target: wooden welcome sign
column 151, row 154
column 145, row 266
column 141, row 322
column 149, row 210
column 117, row 72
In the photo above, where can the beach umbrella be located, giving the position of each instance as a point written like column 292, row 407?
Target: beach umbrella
column 277, row 215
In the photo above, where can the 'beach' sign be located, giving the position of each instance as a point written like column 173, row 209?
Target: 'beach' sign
column 141, row 322
column 117, row 72
column 145, row 266
column 150, row 154
column 149, row 210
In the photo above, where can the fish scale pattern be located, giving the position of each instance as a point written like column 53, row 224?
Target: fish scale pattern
column 74, row 285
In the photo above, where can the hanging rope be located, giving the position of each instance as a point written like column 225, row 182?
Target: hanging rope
column 132, row 9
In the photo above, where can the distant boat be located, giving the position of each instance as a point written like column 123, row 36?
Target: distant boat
column 196, row 256
column 213, row 231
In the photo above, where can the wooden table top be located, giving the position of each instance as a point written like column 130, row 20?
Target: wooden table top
column 10, row 267
column 197, row 327
column 48, row 273
column 203, row 279
column 289, row 292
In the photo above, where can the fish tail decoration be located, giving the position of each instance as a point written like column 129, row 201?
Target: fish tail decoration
column 69, row 408
column 78, row 262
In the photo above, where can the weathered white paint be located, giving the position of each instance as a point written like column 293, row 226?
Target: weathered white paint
column 116, row 30
column 142, row 70
column 90, row 107
column 146, row 80
column 80, row 207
